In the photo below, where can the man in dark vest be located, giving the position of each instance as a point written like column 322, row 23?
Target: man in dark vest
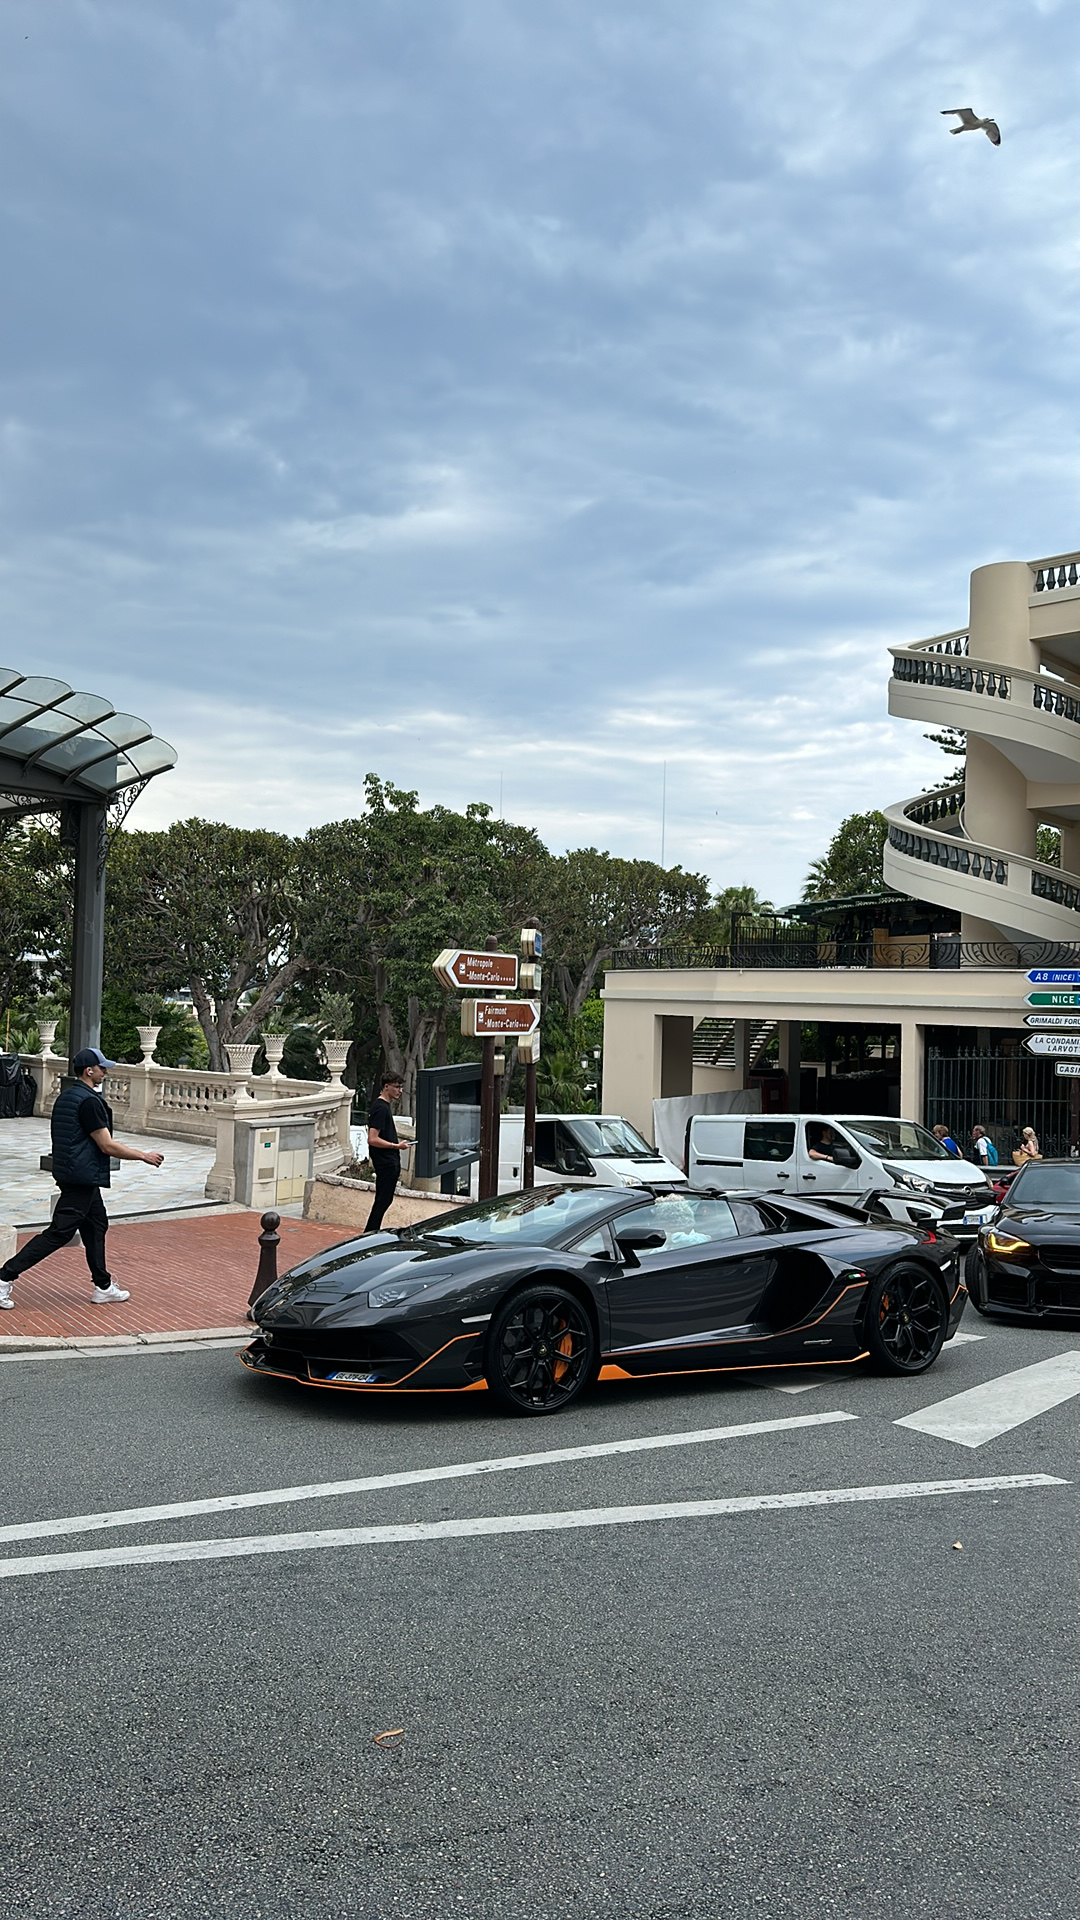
column 82, row 1146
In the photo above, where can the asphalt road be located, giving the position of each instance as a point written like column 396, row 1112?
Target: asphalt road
column 803, row 1709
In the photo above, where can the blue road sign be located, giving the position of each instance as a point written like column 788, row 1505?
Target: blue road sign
column 1054, row 976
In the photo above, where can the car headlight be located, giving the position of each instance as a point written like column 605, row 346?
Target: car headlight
column 395, row 1292
column 1005, row 1246
column 914, row 1182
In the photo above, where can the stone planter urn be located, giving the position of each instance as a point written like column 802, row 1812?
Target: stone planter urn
column 274, row 1047
column 148, row 1039
column 337, row 1053
column 240, row 1059
column 46, row 1034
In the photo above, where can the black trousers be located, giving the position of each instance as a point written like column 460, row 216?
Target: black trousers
column 386, row 1179
column 79, row 1210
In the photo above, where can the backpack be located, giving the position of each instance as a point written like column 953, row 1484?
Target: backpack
column 991, row 1151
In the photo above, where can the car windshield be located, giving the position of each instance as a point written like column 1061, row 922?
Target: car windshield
column 541, row 1218
column 897, row 1140
column 604, row 1139
column 1045, row 1187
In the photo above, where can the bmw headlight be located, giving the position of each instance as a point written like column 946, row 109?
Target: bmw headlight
column 1006, row 1246
column 395, row 1292
column 914, row 1182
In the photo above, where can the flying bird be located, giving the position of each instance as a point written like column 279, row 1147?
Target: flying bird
column 970, row 123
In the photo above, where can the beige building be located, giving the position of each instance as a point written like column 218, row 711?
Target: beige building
column 963, row 858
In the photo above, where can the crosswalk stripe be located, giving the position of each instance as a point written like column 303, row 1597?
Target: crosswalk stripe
column 980, row 1414
column 410, row 1532
column 414, row 1477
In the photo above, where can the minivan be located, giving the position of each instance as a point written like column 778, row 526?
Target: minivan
column 821, row 1154
column 601, row 1148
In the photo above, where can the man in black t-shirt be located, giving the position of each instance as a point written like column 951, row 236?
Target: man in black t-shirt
column 384, row 1148
column 82, row 1146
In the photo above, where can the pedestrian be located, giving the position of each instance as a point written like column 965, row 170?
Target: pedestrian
column 1029, row 1148
column 983, row 1151
column 82, row 1146
column 384, row 1148
column 942, row 1133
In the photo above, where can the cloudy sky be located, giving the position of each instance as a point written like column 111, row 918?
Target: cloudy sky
column 517, row 397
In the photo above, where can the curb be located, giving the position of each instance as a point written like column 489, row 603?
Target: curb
column 17, row 1343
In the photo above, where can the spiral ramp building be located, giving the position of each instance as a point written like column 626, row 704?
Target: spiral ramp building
column 1010, row 681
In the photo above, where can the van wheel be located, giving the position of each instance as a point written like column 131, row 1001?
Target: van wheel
column 907, row 1318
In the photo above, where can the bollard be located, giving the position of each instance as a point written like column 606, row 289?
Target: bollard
column 269, row 1240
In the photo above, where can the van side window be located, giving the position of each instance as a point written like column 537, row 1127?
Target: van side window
column 545, row 1145
column 769, row 1139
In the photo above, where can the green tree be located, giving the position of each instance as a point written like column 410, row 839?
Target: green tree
column 713, row 928
column 213, row 908
column 35, row 908
column 853, row 861
column 383, row 894
column 594, row 902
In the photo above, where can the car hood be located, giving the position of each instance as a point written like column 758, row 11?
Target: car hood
column 644, row 1170
column 332, row 1287
column 1042, row 1221
column 944, row 1173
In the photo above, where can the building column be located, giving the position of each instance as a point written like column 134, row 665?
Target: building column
column 912, row 1069
column 995, row 791
column 791, row 1061
column 742, row 1053
column 87, row 832
column 676, row 1054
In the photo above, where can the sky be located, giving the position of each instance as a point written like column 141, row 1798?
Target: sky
column 551, row 404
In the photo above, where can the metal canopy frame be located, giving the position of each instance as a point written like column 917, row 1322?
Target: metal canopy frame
column 73, row 754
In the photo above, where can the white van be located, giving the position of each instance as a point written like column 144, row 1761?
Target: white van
column 820, row 1154
column 581, row 1148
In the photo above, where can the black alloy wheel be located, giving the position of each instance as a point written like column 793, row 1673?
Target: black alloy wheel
column 541, row 1351
column 907, row 1318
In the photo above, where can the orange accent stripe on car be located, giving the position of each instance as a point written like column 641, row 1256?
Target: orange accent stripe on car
column 744, row 1366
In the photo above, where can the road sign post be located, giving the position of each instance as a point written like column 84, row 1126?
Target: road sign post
column 532, row 946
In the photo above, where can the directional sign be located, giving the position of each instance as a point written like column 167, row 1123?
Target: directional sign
column 482, row 1017
column 1052, row 1019
column 1067, row 1068
column 1053, row 999
column 1059, row 1045
column 458, row 967
column 1055, row 976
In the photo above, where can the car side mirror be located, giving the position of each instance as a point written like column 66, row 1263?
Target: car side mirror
column 845, row 1156
column 637, row 1240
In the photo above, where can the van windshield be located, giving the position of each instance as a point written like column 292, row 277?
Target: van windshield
column 897, row 1140
column 604, row 1139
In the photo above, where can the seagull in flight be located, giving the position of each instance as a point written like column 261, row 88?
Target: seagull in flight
column 970, row 123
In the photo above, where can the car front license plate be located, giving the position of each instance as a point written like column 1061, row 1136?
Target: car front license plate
column 977, row 1218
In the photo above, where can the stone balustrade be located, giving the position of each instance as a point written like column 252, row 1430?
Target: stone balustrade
column 179, row 1103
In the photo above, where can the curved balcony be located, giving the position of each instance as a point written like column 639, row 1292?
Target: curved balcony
column 1031, row 718
column 929, row 855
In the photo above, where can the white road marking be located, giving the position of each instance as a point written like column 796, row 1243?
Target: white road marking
column 961, row 1339
column 804, row 1386
column 167, row 1551
column 374, row 1483
column 982, row 1413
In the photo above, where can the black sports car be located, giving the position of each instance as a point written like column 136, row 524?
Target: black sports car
column 535, row 1295
column 1026, row 1263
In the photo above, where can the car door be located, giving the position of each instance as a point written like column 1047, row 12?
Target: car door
column 769, row 1162
column 819, row 1178
column 700, row 1286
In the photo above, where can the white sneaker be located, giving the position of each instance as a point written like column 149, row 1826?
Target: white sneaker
column 103, row 1295
column 6, row 1299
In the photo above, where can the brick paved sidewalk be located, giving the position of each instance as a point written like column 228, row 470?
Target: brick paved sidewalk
column 185, row 1276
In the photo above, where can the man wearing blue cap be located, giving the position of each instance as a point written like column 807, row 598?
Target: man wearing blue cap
column 82, row 1146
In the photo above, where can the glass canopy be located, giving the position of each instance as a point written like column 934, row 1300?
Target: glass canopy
column 73, row 745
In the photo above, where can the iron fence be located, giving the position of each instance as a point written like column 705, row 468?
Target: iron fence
column 1003, row 1093
column 821, row 947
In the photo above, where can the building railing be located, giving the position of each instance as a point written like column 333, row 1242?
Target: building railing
column 1060, row 570
column 823, row 950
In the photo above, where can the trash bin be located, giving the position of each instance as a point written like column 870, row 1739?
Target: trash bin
column 17, row 1090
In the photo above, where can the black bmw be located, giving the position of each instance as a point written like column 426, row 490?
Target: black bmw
column 1026, row 1263
column 536, row 1295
